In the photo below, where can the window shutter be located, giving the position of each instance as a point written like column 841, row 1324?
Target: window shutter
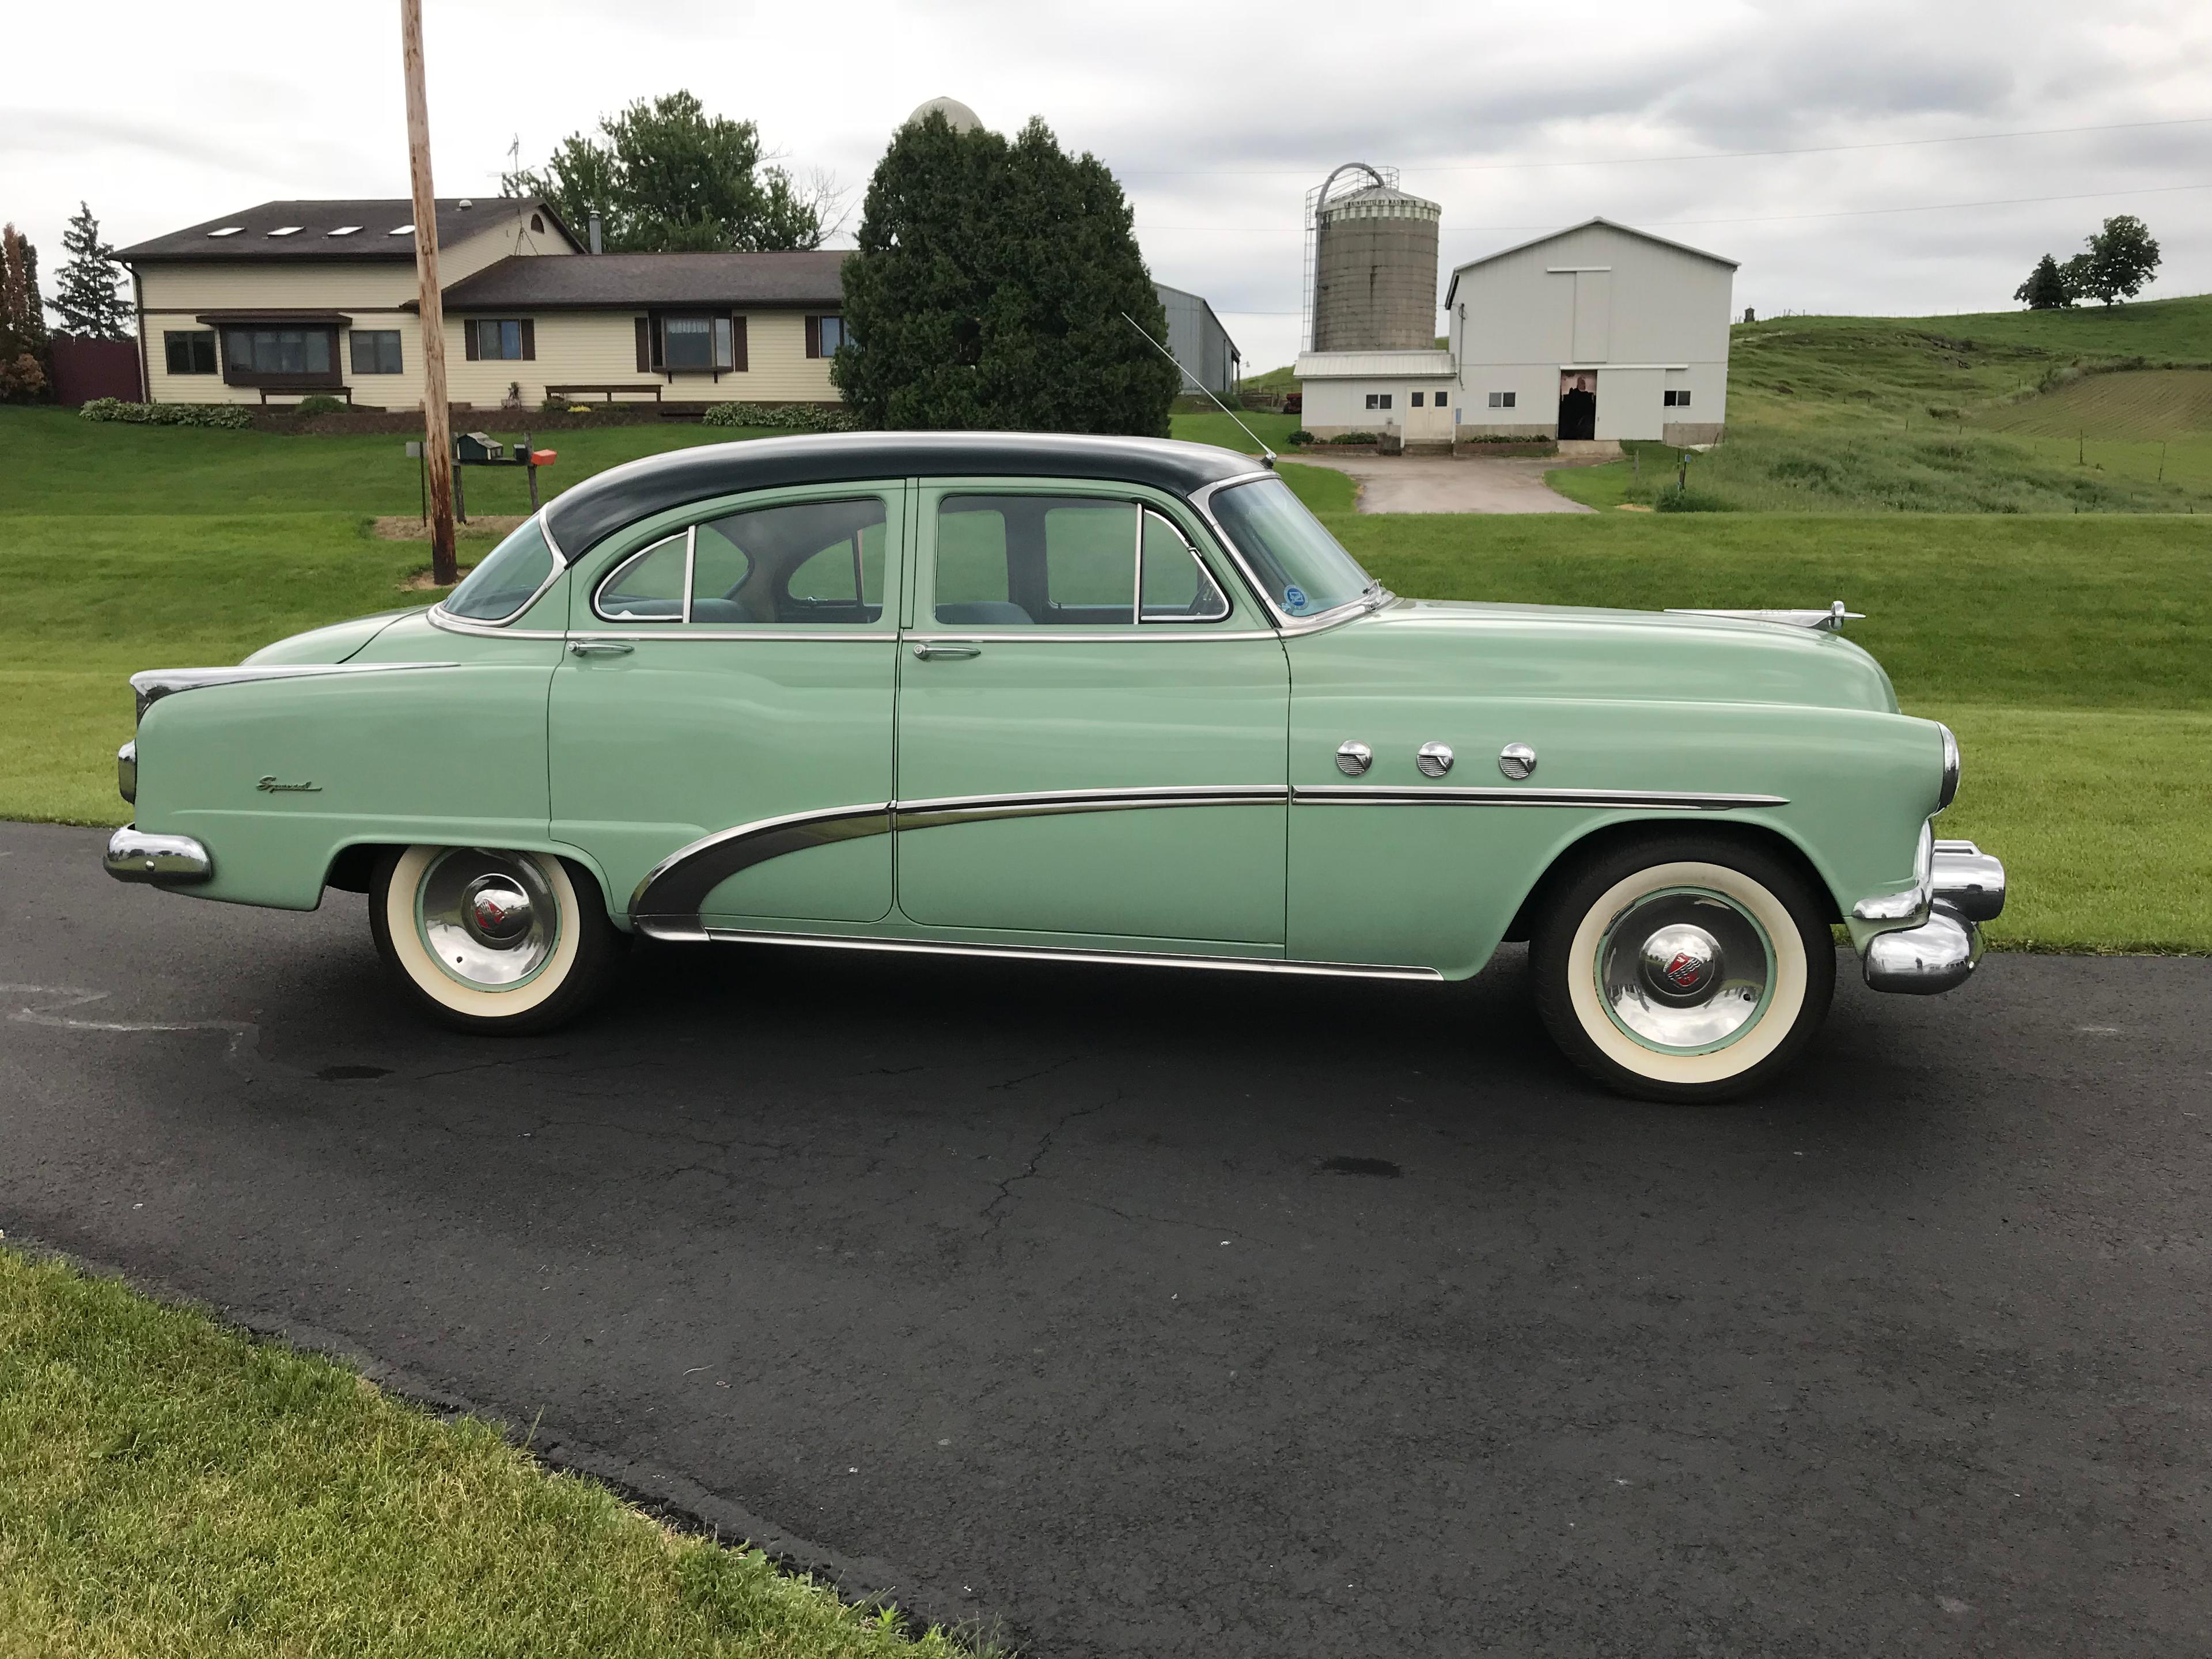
column 644, row 346
column 472, row 347
column 737, row 343
column 529, row 340
column 814, row 337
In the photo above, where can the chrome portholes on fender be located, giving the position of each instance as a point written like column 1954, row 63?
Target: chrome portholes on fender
column 1433, row 759
column 489, row 919
column 1354, row 758
column 1516, row 760
column 1684, row 967
column 1685, row 971
column 492, row 940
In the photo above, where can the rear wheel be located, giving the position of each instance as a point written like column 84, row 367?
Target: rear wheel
column 492, row 941
column 1684, row 969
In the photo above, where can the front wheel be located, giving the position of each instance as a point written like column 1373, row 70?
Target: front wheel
column 491, row 941
column 1684, row 969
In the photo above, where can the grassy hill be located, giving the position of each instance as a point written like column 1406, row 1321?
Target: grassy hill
column 2086, row 411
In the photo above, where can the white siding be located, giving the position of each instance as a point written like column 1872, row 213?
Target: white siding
column 1595, row 296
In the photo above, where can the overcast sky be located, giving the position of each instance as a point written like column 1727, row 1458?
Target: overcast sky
column 1218, row 118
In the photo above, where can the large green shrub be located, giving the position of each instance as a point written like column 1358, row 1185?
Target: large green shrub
column 320, row 403
column 993, row 287
column 228, row 416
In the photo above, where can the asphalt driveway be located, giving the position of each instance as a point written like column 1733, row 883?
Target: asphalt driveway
column 1445, row 483
column 1181, row 1315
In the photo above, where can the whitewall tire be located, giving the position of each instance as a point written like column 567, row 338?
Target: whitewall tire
column 1685, row 967
column 489, row 941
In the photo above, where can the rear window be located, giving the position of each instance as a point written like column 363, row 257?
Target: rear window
column 502, row 584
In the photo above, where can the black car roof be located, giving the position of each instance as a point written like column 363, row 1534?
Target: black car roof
column 582, row 517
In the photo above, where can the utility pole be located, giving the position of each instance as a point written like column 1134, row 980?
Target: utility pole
column 437, row 427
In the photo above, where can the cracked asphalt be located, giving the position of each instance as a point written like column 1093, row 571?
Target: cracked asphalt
column 1182, row 1314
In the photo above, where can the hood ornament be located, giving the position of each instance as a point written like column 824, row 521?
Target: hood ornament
column 1830, row 620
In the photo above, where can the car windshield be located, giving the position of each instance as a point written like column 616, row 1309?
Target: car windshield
column 503, row 583
column 1300, row 564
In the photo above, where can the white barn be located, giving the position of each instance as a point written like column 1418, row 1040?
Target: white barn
column 1597, row 331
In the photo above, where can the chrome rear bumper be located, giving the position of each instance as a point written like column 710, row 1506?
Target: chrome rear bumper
column 166, row 860
column 1966, row 885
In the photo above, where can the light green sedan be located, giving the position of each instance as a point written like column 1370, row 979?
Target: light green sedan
column 1074, row 700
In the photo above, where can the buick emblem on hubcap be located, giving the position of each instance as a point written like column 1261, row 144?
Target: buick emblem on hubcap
column 1681, row 961
column 500, row 911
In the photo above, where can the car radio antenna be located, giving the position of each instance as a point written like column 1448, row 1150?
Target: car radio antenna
column 1266, row 455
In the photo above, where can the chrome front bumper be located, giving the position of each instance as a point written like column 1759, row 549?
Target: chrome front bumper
column 1965, row 885
column 166, row 860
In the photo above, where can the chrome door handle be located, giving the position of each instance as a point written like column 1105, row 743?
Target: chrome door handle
column 929, row 650
column 601, row 648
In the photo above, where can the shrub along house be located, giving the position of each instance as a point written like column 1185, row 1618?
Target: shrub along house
column 291, row 299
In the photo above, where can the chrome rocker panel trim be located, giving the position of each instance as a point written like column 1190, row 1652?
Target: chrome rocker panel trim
column 156, row 683
column 676, row 931
column 1342, row 794
column 164, row 860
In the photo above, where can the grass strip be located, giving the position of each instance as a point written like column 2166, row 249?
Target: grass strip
column 177, row 1488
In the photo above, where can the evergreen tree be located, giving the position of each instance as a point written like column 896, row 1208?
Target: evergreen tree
column 2045, row 288
column 23, row 374
column 2122, row 258
column 989, row 289
column 665, row 176
column 86, row 297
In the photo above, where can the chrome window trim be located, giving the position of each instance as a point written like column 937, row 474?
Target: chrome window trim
column 153, row 684
column 1144, row 510
column 441, row 617
column 730, row 636
column 690, row 535
column 655, row 929
column 1089, row 635
column 1344, row 794
column 1201, row 502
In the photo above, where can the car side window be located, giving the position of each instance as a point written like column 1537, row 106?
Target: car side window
column 1065, row 561
column 795, row 564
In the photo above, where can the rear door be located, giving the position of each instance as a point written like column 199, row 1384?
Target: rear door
column 720, row 727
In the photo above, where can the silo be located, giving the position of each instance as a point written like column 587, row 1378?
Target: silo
column 1374, row 264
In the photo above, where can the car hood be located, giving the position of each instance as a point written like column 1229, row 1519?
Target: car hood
column 334, row 643
column 1638, row 655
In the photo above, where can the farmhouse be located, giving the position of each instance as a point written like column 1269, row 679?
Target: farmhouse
column 290, row 299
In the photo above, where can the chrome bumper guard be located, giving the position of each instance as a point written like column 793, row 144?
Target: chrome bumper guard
column 166, row 860
column 1966, row 885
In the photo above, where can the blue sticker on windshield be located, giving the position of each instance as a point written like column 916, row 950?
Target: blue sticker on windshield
column 1294, row 598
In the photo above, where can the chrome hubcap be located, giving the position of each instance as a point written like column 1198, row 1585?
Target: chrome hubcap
column 1685, row 970
column 488, row 918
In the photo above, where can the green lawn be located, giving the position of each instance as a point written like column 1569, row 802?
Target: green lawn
column 175, row 1489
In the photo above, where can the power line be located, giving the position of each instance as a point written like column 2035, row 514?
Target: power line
column 1761, row 219
column 1692, row 155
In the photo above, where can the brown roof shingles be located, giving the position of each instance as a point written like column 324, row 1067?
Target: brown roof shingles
column 377, row 219
column 632, row 281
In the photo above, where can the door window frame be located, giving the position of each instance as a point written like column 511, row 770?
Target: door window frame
column 1245, row 619
column 597, row 567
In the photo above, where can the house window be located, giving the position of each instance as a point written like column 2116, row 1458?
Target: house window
column 376, row 351
column 1501, row 400
column 259, row 351
column 1378, row 400
column 189, row 350
column 1418, row 398
column 824, row 335
column 1674, row 399
column 497, row 338
column 695, row 343
column 538, row 222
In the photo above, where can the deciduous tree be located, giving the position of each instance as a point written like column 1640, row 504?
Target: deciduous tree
column 2122, row 256
column 86, row 297
column 989, row 289
column 665, row 176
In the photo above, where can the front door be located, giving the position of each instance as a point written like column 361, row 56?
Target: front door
column 720, row 725
column 1578, row 405
column 1091, row 727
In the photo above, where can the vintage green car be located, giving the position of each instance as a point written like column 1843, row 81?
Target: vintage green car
column 1073, row 699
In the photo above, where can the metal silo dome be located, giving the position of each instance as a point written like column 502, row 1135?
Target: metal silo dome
column 957, row 115
column 1371, row 264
